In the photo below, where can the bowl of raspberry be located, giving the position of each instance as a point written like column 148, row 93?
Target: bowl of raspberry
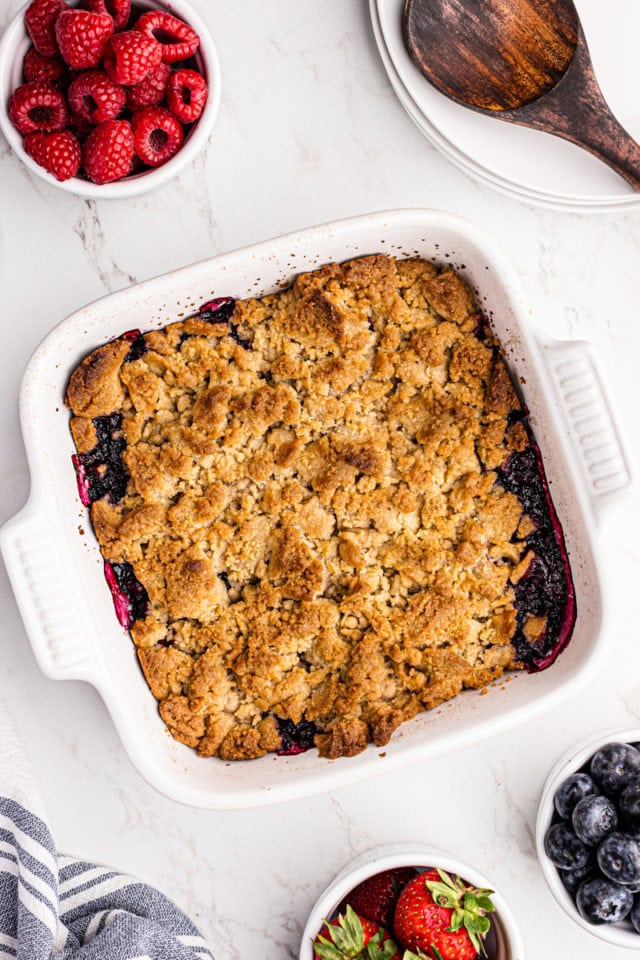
column 108, row 98
column 588, row 836
column 407, row 902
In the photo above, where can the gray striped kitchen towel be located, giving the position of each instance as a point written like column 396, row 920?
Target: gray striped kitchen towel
column 54, row 906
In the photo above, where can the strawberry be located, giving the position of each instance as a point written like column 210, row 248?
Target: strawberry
column 442, row 918
column 350, row 937
column 376, row 897
column 40, row 20
column 82, row 37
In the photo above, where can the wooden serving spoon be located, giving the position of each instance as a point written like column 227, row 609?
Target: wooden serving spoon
column 525, row 61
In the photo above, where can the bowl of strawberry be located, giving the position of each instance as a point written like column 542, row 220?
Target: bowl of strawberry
column 107, row 98
column 588, row 836
column 408, row 902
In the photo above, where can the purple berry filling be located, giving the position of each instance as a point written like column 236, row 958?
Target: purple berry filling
column 101, row 471
column 546, row 589
column 221, row 310
column 296, row 737
column 224, row 576
column 130, row 599
column 138, row 345
column 483, row 327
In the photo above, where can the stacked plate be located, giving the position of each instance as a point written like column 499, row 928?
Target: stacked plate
column 525, row 163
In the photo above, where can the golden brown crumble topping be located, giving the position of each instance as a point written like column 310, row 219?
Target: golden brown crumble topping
column 312, row 506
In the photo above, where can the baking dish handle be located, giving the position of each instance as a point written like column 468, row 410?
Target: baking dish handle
column 45, row 597
column 590, row 424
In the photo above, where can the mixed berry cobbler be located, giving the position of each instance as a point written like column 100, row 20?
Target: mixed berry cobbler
column 321, row 511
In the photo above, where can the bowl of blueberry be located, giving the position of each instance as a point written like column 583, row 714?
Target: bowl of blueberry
column 406, row 902
column 588, row 836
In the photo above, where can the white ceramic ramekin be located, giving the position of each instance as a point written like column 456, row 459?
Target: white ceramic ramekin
column 57, row 573
column 508, row 941
column 621, row 934
column 14, row 44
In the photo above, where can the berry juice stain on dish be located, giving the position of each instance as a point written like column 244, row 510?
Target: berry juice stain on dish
column 334, row 500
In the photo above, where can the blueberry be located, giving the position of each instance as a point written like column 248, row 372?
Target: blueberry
column 572, row 879
column 564, row 849
column 630, row 827
column 632, row 887
column 629, row 802
column 574, row 788
column 296, row 737
column 593, row 818
column 614, row 766
column 634, row 916
column 601, row 901
column 619, row 858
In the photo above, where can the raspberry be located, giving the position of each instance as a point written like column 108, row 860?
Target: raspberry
column 137, row 166
column 82, row 37
column 130, row 57
column 177, row 39
column 40, row 21
column 96, row 98
column 158, row 135
column 38, row 107
column 59, row 153
column 187, row 94
column 151, row 90
column 38, row 67
column 78, row 125
column 108, row 151
column 120, row 10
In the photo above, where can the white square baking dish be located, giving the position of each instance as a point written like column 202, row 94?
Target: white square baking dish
column 56, row 569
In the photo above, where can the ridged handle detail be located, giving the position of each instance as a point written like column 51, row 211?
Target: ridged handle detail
column 45, row 596
column 590, row 421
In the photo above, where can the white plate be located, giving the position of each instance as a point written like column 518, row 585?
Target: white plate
column 57, row 573
column 527, row 163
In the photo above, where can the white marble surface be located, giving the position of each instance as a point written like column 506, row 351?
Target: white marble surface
column 309, row 131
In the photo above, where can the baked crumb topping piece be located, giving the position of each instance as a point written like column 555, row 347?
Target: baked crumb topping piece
column 310, row 492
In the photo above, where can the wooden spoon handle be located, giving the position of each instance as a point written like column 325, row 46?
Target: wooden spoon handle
column 577, row 111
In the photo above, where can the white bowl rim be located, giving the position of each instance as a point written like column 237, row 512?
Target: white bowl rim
column 569, row 763
column 389, row 856
column 15, row 34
